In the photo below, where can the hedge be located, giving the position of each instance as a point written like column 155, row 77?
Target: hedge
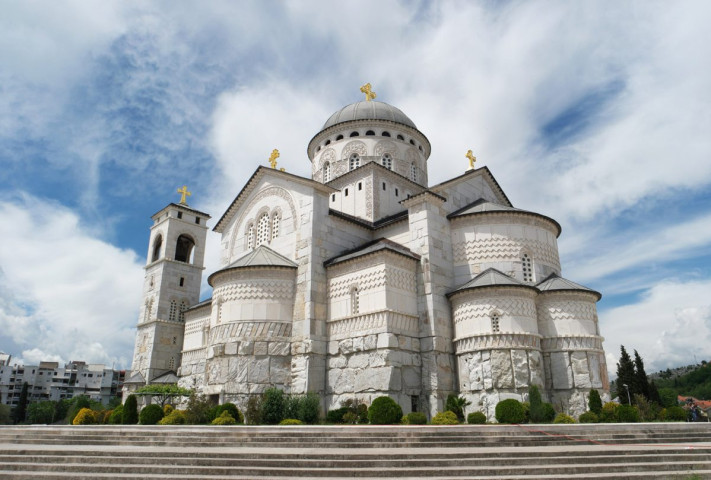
column 384, row 411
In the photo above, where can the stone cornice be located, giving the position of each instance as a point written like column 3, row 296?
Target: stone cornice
column 497, row 341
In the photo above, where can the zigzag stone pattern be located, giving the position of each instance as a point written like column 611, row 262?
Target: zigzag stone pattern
column 504, row 249
column 385, row 320
column 251, row 330
column 483, row 307
column 256, row 290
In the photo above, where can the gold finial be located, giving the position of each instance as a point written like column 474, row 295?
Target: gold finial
column 183, row 193
column 472, row 159
column 273, row 157
column 369, row 94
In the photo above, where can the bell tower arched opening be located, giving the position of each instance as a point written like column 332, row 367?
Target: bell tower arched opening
column 157, row 243
column 184, row 249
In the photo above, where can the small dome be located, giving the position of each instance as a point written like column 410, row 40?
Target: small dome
column 365, row 110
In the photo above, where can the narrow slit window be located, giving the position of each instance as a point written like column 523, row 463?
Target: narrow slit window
column 527, row 268
column 355, row 301
column 276, row 219
column 182, row 281
column 495, row 327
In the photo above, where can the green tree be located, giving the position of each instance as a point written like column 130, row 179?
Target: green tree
column 41, row 412
column 535, row 409
column 20, row 411
column 640, row 382
column 198, row 409
column 595, row 402
column 273, row 406
column 625, row 376
column 5, row 414
column 75, row 406
column 163, row 393
column 129, row 415
column 654, row 393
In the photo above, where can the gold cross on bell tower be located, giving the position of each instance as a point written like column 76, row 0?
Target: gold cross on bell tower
column 369, row 93
column 273, row 157
column 183, row 193
column 472, row 159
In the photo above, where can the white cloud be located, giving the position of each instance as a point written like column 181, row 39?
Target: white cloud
column 65, row 292
column 670, row 326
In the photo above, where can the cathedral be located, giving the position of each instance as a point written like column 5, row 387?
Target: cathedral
column 363, row 281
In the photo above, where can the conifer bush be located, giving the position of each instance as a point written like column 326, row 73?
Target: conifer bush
column 536, row 411
column 589, row 417
column 336, row 415
column 510, row 411
column 233, row 411
column 445, row 418
column 272, row 406
column 595, row 402
column 291, row 421
column 129, row 416
column 627, row 414
column 415, row 418
column 675, row 414
column 609, row 412
column 85, row 416
column 150, row 415
column 116, row 415
column 167, row 408
column 476, row 418
column 384, row 411
column 176, row 417
column 309, row 408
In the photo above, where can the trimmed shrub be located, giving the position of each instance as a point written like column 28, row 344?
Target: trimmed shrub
column 104, row 416
column 675, row 414
column 176, row 417
column 476, row 418
column 291, row 421
column 563, row 418
column 167, row 408
column 231, row 408
column 384, row 411
column 537, row 413
column 84, row 417
column 609, row 412
column 77, row 403
column 310, row 407
column 595, row 402
column 526, row 412
column 445, row 418
column 198, row 409
column 253, row 412
column 116, row 415
column 548, row 412
column 224, row 419
column 336, row 415
column 150, row 415
column 509, row 411
column 415, row 418
column 627, row 414
column 589, row 417
column 129, row 416
column 272, row 406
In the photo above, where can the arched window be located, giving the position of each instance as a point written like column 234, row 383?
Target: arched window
column 275, row 225
column 495, row 327
column 183, row 307
column 173, row 310
column 263, row 229
column 326, row 172
column 400, row 137
column 340, row 137
column 355, row 134
column 385, row 134
column 527, row 268
column 184, row 249
column 355, row 301
column 412, row 142
column 413, row 172
column 157, row 243
column 369, row 133
column 328, row 142
column 387, row 161
column 354, row 162
column 250, row 236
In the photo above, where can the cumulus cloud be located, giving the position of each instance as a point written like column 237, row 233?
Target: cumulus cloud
column 669, row 326
column 66, row 293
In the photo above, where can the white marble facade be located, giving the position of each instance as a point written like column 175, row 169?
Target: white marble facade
column 363, row 281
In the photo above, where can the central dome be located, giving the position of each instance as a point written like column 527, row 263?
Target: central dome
column 368, row 110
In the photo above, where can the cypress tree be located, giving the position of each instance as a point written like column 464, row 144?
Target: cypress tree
column 654, row 393
column 625, row 376
column 18, row 415
column 641, row 383
column 536, row 412
column 595, row 402
column 129, row 415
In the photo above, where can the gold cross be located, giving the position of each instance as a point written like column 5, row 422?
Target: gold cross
column 369, row 94
column 472, row 159
column 273, row 157
column 183, row 192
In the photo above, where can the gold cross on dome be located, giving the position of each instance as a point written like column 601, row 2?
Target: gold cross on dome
column 369, row 94
column 472, row 159
column 273, row 157
column 183, row 193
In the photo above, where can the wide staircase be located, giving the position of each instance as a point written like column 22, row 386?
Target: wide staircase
column 606, row 451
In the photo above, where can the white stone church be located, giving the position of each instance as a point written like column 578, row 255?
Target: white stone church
column 364, row 281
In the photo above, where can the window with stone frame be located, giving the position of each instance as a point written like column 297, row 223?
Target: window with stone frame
column 387, row 161
column 354, row 161
column 355, row 301
column 275, row 225
column 263, row 229
column 527, row 268
column 495, row 322
column 250, row 236
column 183, row 307
column 326, row 172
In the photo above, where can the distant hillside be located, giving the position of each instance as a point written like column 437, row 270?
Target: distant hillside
column 692, row 380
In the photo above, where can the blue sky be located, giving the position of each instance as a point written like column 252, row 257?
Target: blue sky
column 593, row 113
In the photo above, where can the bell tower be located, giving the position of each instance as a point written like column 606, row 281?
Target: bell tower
column 176, row 252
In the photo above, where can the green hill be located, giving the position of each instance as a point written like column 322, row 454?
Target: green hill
column 695, row 382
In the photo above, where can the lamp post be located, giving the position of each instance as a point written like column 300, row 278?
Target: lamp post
column 629, row 401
